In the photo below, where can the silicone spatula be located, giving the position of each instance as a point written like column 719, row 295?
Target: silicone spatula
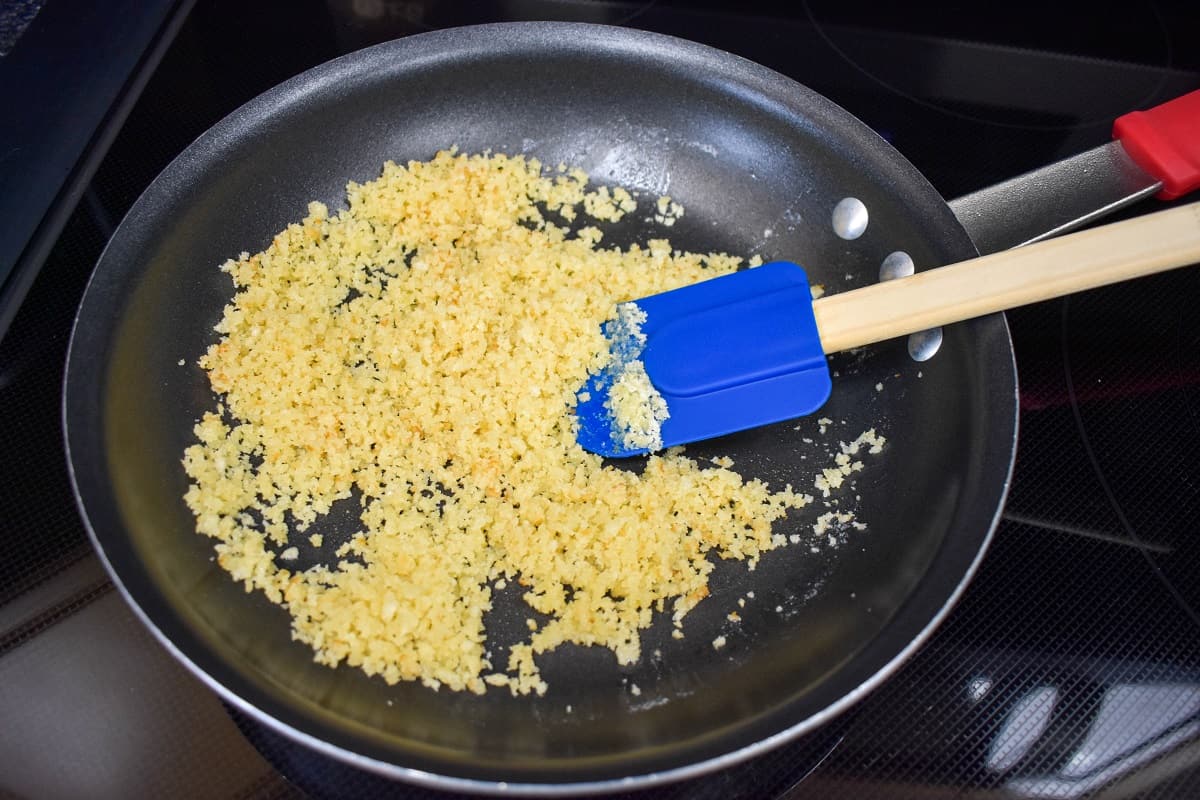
column 748, row 349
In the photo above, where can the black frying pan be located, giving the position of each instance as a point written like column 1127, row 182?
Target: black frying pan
column 744, row 149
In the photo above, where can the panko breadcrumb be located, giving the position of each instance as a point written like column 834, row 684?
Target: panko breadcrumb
column 418, row 353
column 667, row 212
column 833, row 477
column 636, row 409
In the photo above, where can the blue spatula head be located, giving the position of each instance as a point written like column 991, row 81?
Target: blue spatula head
column 726, row 354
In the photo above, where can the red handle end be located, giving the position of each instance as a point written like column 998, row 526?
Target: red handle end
column 1165, row 141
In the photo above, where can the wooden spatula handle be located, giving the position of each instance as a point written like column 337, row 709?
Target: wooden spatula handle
column 1084, row 260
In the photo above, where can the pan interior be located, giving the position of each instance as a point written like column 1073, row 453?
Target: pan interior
column 759, row 164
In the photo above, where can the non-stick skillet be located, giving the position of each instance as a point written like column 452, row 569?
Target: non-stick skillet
column 745, row 150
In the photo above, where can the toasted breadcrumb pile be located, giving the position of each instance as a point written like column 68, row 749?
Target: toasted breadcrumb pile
column 421, row 351
column 637, row 410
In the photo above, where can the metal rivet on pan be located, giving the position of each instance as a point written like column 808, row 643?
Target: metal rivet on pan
column 849, row 218
column 923, row 344
column 897, row 265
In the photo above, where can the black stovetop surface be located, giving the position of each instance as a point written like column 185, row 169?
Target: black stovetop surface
column 1070, row 668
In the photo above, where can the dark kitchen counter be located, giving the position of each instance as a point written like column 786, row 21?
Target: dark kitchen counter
column 69, row 74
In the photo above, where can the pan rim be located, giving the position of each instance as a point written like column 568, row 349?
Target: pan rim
column 280, row 95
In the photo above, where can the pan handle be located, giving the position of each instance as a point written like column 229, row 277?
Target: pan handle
column 1165, row 141
column 1154, row 152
